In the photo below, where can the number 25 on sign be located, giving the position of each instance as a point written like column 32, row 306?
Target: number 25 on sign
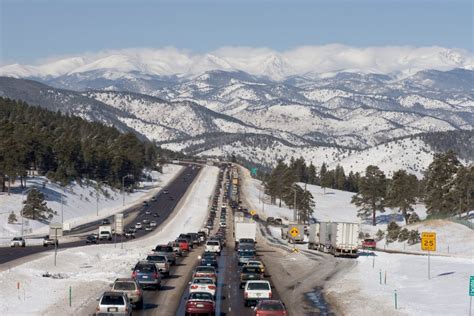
column 428, row 241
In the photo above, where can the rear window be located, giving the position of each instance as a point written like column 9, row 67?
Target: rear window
column 156, row 258
column 164, row 248
column 200, row 296
column 112, row 300
column 203, row 281
column 250, row 270
column 246, row 253
column 205, row 269
column 145, row 268
column 369, row 240
column 271, row 306
column 125, row 286
column 213, row 243
column 258, row 286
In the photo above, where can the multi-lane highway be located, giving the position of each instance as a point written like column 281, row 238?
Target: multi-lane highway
column 163, row 206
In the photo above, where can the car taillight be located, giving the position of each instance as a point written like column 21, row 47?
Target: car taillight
column 269, row 294
column 138, row 292
column 134, row 274
column 212, row 287
column 284, row 313
column 194, row 287
column 155, row 275
column 98, row 308
column 246, row 294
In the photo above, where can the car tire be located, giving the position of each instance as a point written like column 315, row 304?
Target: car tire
column 139, row 305
column 246, row 303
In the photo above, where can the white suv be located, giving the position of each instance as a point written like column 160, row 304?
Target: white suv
column 213, row 246
column 114, row 303
column 257, row 290
column 18, row 242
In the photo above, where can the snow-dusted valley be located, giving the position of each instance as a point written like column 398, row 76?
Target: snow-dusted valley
column 353, row 119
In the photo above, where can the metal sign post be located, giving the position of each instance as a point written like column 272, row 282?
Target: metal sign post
column 471, row 293
column 294, row 232
column 428, row 243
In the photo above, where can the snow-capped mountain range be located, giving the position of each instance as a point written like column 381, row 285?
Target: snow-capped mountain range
column 339, row 117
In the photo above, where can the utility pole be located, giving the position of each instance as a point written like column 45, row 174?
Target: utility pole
column 295, row 217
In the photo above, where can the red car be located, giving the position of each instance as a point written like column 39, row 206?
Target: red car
column 270, row 308
column 369, row 243
column 200, row 303
column 183, row 244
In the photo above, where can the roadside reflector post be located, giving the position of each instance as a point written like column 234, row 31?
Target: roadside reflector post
column 396, row 299
column 373, row 261
column 380, row 276
column 429, row 272
column 385, row 279
column 70, row 296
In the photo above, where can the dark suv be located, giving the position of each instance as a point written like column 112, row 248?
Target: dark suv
column 168, row 251
column 147, row 275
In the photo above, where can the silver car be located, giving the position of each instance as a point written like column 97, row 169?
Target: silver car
column 130, row 287
column 114, row 303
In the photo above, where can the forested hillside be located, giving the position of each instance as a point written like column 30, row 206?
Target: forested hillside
column 66, row 148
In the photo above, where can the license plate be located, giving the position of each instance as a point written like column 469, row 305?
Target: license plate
column 145, row 277
column 112, row 309
column 259, row 294
column 199, row 305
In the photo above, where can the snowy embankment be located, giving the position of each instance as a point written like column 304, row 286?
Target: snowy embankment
column 79, row 202
column 89, row 270
column 358, row 291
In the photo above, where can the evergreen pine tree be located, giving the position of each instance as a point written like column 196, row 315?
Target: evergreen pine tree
column 440, row 173
column 401, row 193
column 414, row 218
column 12, row 218
column 311, row 174
column 462, row 189
column 36, row 207
column 372, row 190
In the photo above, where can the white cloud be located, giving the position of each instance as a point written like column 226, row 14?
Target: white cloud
column 257, row 61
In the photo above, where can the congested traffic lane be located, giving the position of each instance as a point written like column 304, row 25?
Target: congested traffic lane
column 163, row 205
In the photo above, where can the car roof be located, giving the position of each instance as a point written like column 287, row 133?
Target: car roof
column 108, row 293
column 125, row 280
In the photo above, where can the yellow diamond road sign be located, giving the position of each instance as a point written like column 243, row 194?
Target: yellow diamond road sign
column 252, row 212
column 294, row 232
column 428, row 241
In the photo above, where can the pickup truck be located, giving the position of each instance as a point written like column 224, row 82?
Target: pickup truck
column 167, row 251
column 250, row 273
column 257, row 290
column 369, row 243
column 213, row 246
column 161, row 262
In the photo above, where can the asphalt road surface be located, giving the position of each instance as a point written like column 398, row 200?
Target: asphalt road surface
column 163, row 206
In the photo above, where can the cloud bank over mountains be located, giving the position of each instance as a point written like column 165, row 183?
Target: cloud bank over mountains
column 305, row 60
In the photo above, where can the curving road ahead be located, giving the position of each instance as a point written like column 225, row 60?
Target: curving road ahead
column 163, row 206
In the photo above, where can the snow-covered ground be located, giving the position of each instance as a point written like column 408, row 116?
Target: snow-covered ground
column 446, row 293
column 358, row 291
column 79, row 202
column 89, row 270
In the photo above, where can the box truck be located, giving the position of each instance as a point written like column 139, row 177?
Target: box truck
column 244, row 230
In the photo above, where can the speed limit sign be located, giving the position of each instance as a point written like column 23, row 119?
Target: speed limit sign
column 428, row 241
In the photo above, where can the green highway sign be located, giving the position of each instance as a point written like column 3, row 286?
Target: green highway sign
column 253, row 171
column 471, row 286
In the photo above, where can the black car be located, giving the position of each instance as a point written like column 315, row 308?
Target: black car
column 91, row 239
column 209, row 260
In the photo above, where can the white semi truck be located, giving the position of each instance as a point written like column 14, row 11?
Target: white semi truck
column 344, row 239
column 320, row 236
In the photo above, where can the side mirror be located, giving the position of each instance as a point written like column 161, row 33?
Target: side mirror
column 97, row 299
column 190, row 283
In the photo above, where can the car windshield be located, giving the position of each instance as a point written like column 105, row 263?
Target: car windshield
column 200, row 296
column 203, row 281
column 145, row 268
column 125, row 286
column 246, row 254
column 258, row 286
column 156, row 258
column 213, row 243
column 17, row 238
column 112, row 300
column 369, row 240
column 271, row 306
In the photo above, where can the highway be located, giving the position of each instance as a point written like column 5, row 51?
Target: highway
column 163, row 206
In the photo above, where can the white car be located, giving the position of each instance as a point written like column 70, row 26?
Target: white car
column 153, row 224
column 138, row 226
column 222, row 224
column 213, row 246
column 203, row 285
column 18, row 242
column 114, row 303
column 257, row 290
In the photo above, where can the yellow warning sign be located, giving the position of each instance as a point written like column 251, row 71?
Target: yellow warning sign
column 252, row 212
column 428, row 241
column 294, row 232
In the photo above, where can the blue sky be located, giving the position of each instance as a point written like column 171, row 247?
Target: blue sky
column 36, row 29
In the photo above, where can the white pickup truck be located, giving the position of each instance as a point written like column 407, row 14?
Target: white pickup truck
column 257, row 290
column 213, row 246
